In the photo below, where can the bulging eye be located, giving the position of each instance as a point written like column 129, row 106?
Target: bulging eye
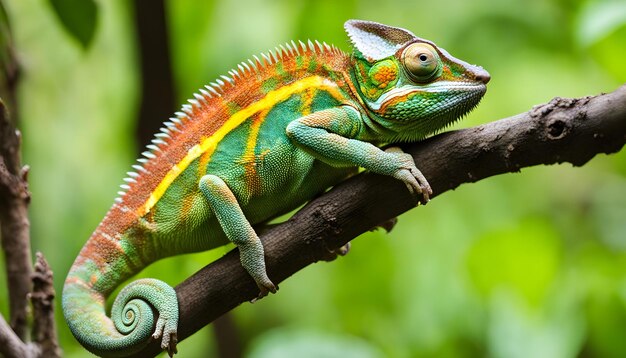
column 421, row 61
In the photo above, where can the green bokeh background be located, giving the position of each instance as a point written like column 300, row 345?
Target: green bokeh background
column 531, row 264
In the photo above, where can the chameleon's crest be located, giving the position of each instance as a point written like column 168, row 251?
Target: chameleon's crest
column 210, row 97
column 376, row 41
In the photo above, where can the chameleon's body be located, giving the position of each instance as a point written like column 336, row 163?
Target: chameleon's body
column 258, row 144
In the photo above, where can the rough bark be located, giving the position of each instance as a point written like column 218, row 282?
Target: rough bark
column 11, row 345
column 564, row 130
column 14, row 224
column 15, row 238
column 42, row 298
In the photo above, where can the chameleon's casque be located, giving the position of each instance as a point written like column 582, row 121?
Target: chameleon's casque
column 280, row 129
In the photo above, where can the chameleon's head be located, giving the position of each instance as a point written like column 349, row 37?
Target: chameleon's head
column 412, row 87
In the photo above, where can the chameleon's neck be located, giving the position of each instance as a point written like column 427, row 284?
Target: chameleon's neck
column 373, row 129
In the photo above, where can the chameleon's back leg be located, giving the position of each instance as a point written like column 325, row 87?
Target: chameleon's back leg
column 238, row 230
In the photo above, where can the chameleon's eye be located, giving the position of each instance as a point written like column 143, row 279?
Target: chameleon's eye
column 421, row 61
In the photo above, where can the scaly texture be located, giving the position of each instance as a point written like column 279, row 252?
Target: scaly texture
column 258, row 143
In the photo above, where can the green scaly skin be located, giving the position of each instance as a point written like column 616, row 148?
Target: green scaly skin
column 278, row 131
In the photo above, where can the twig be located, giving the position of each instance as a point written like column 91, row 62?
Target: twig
column 564, row 130
column 44, row 331
column 15, row 239
column 10, row 344
column 42, row 298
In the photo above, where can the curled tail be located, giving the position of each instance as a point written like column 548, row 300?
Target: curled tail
column 132, row 321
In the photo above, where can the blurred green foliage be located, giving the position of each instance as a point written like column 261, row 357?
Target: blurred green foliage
column 78, row 17
column 521, row 265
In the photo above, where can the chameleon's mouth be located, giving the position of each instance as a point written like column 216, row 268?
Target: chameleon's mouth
column 462, row 89
column 439, row 87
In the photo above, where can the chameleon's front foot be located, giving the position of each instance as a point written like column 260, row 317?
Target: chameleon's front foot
column 408, row 173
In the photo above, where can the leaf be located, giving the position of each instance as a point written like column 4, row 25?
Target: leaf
column 78, row 18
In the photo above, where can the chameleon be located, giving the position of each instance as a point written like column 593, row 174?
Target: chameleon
column 279, row 130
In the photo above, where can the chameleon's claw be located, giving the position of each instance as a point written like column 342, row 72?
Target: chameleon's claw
column 170, row 347
column 264, row 290
column 332, row 254
column 387, row 225
column 342, row 251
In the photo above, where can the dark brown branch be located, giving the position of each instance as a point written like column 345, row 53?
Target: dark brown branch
column 14, row 224
column 564, row 130
column 11, row 345
column 42, row 298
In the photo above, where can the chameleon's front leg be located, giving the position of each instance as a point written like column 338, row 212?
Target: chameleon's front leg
column 238, row 230
column 328, row 135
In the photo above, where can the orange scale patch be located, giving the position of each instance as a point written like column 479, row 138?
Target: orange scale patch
column 385, row 75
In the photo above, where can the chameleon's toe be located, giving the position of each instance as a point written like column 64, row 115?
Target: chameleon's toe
column 170, row 346
column 425, row 188
column 343, row 251
column 426, row 191
column 408, row 178
column 264, row 289
column 166, row 330
column 387, row 225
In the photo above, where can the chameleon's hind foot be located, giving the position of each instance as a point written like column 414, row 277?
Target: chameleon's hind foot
column 387, row 225
column 264, row 289
column 332, row 254
column 166, row 330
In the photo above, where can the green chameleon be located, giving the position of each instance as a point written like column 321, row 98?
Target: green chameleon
column 278, row 131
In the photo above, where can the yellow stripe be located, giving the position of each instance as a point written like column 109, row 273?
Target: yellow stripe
column 209, row 144
column 252, row 136
column 249, row 159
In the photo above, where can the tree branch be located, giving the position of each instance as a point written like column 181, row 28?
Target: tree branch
column 14, row 224
column 14, row 195
column 42, row 298
column 10, row 343
column 15, row 240
column 564, row 130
